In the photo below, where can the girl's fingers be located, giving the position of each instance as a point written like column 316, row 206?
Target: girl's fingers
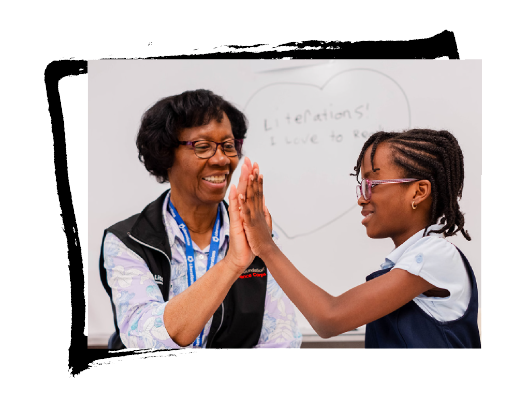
column 267, row 216
column 257, row 189
column 249, row 189
column 244, row 208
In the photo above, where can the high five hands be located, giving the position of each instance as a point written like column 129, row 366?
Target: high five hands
column 256, row 218
column 250, row 220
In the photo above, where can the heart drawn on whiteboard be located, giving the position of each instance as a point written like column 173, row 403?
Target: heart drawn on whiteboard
column 307, row 138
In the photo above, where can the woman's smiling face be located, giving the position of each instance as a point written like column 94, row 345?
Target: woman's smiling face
column 203, row 181
column 389, row 212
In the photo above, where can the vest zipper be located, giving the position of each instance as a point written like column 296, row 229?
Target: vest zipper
column 149, row 246
column 218, row 328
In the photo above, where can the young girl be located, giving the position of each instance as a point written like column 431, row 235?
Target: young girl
column 425, row 294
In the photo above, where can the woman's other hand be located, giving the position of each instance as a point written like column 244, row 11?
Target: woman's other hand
column 256, row 217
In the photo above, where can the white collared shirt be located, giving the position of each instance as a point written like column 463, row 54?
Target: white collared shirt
column 438, row 262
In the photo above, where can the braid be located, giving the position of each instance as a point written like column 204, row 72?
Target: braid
column 432, row 155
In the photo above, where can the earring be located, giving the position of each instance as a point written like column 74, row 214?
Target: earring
column 414, row 206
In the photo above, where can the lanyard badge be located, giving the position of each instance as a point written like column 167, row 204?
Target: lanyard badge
column 190, row 256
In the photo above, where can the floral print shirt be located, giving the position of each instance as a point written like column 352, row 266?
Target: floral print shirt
column 140, row 305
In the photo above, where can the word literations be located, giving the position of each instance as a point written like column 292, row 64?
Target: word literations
column 308, row 116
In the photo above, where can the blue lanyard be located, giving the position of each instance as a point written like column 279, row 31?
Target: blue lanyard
column 190, row 256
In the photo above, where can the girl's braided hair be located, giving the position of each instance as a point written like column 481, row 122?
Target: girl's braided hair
column 432, row 155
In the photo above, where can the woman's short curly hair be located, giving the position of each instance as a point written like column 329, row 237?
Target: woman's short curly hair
column 161, row 124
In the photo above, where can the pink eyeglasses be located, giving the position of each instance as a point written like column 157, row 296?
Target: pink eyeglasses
column 364, row 189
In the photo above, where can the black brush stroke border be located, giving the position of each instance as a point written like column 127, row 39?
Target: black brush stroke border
column 80, row 357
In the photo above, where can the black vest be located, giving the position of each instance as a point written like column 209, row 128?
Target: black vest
column 237, row 323
column 411, row 327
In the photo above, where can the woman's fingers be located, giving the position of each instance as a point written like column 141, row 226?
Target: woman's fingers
column 233, row 209
column 236, row 215
column 233, row 196
column 247, row 161
column 246, row 170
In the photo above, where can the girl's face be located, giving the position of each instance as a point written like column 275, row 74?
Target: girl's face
column 389, row 212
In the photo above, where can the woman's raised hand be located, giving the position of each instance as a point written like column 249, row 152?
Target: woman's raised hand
column 246, row 171
column 256, row 217
column 239, row 255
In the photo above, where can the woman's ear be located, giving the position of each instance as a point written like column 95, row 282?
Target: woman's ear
column 169, row 173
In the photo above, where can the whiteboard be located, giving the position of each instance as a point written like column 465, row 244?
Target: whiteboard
column 308, row 121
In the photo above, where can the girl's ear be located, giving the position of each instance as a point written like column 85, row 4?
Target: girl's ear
column 423, row 191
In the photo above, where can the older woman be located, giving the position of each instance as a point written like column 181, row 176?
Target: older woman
column 181, row 273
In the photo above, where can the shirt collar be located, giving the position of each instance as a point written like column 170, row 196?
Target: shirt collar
column 174, row 232
column 395, row 254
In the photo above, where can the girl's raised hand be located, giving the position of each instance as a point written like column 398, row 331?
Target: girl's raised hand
column 256, row 217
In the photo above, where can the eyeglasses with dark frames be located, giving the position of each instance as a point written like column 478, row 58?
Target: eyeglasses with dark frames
column 364, row 188
column 205, row 149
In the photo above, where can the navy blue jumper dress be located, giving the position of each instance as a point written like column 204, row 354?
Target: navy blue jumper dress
column 411, row 327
